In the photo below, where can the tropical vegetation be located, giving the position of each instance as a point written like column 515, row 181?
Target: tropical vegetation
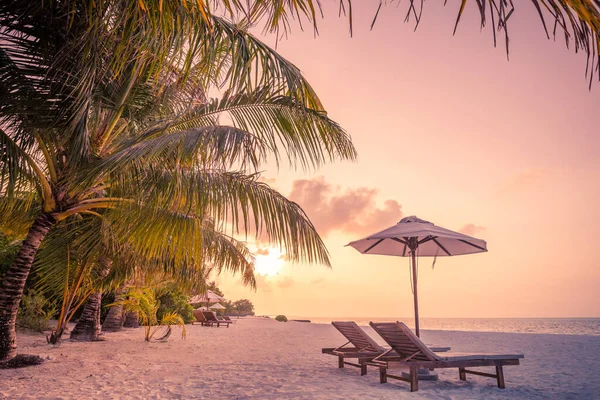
column 144, row 303
column 115, row 161
column 107, row 131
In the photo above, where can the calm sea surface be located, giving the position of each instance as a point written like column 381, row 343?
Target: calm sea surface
column 559, row 326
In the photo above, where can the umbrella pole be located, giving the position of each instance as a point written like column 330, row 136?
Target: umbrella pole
column 416, row 297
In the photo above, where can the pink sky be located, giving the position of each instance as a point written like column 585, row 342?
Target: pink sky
column 447, row 129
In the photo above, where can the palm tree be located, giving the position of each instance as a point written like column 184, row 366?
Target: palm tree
column 103, row 114
column 76, row 77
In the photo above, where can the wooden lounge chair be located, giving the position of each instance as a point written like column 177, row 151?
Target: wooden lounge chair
column 200, row 318
column 212, row 318
column 364, row 347
column 226, row 318
column 415, row 354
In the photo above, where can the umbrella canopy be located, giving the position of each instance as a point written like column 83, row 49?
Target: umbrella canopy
column 430, row 240
column 217, row 306
column 412, row 237
column 208, row 297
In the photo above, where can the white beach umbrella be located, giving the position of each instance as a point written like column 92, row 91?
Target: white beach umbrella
column 208, row 297
column 217, row 306
column 414, row 237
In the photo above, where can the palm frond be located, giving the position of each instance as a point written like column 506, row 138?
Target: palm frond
column 252, row 207
column 578, row 21
column 181, row 246
column 305, row 135
column 16, row 166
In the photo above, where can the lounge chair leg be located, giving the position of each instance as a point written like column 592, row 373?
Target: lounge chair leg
column 363, row 369
column 500, row 373
column 462, row 375
column 382, row 375
column 340, row 362
column 414, row 379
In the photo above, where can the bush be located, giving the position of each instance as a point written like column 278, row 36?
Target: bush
column 35, row 311
column 175, row 302
column 8, row 251
column 281, row 318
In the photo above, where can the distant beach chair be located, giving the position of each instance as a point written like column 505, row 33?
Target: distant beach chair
column 211, row 317
column 226, row 318
column 201, row 318
column 415, row 354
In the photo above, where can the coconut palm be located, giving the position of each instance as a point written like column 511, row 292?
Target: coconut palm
column 103, row 114
column 73, row 266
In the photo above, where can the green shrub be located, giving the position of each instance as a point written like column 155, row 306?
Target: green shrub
column 8, row 251
column 175, row 302
column 281, row 318
column 35, row 311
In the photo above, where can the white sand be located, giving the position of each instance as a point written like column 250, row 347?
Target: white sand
column 264, row 359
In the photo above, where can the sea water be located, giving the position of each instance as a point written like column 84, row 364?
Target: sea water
column 559, row 326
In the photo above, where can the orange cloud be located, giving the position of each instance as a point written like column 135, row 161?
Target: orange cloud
column 352, row 211
column 285, row 282
column 262, row 252
column 471, row 229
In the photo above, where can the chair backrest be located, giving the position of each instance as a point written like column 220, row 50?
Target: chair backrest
column 356, row 336
column 199, row 316
column 210, row 316
column 404, row 341
column 226, row 317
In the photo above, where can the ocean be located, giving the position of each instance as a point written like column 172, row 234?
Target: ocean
column 557, row 326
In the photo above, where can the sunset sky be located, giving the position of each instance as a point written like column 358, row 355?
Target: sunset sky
column 446, row 129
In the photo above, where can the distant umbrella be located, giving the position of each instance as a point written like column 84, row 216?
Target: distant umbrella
column 412, row 237
column 217, row 306
column 208, row 297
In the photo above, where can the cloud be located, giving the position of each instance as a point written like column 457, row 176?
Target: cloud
column 522, row 181
column 285, row 282
column 262, row 252
column 352, row 211
column 471, row 229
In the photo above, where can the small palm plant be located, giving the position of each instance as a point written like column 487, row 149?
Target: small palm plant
column 143, row 302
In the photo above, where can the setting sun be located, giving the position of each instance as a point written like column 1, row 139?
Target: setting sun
column 269, row 261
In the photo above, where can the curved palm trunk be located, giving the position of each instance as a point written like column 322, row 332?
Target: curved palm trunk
column 13, row 283
column 132, row 320
column 88, row 326
column 116, row 317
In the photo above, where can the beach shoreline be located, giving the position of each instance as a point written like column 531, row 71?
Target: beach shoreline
column 258, row 358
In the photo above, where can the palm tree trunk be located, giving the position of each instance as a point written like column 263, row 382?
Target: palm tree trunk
column 11, row 289
column 132, row 320
column 88, row 326
column 116, row 317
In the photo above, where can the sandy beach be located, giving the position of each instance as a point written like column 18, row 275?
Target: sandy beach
column 260, row 358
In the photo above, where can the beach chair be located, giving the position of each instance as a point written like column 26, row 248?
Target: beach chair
column 212, row 318
column 226, row 318
column 201, row 318
column 363, row 348
column 415, row 354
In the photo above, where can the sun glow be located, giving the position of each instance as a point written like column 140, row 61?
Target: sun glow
column 269, row 261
